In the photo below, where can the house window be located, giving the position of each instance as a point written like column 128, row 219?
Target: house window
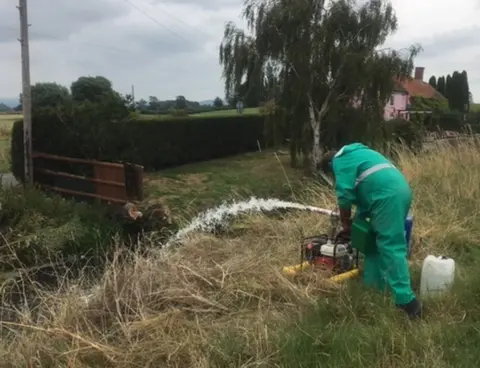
column 391, row 100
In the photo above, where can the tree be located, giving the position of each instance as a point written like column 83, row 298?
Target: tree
column 448, row 88
column 433, row 81
column 97, row 94
column 48, row 95
column 456, row 89
column 129, row 102
column 465, row 91
column 441, row 86
column 180, row 103
column 153, row 103
column 326, row 56
column 93, row 89
column 456, row 100
column 218, row 103
column 142, row 105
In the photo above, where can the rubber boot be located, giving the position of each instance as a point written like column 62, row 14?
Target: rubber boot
column 413, row 309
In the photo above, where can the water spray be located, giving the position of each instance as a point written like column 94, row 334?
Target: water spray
column 214, row 217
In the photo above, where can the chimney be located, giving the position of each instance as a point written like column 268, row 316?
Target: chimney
column 419, row 73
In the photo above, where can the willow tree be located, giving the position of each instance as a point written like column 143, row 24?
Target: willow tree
column 328, row 56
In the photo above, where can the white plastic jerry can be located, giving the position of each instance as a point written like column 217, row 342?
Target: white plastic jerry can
column 438, row 274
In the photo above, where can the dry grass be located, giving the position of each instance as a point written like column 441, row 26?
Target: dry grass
column 6, row 124
column 222, row 302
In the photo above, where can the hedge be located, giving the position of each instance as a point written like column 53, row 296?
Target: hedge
column 155, row 144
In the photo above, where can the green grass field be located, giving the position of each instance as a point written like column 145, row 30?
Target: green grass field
column 475, row 107
column 232, row 112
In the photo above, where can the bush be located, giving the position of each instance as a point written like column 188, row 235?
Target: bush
column 448, row 121
column 405, row 132
column 419, row 103
column 474, row 128
column 16, row 151
column 155, row 144
column 473, row 118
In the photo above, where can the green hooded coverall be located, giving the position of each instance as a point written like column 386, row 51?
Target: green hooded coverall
column 366, row 179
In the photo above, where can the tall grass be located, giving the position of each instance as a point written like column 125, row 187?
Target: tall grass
column 223, row 302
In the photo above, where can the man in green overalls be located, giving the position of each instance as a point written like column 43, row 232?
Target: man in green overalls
column 366, row 179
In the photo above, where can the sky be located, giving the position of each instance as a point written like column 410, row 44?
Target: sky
column 167, row 48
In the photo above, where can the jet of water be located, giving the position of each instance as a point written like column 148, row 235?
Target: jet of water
column 217, row 216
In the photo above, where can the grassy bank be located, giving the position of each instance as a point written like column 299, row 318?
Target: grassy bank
column 37, row 230
column 192, row 188
column 222, row 302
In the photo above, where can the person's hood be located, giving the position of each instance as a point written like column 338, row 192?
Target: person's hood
column 350, row 148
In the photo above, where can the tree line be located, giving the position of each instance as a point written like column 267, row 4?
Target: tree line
column 180, row 103
column 99, row 90
column 455, row 88
column 86, row 94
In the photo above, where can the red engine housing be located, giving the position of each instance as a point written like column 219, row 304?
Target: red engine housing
column 312, row 252
column 325, row 262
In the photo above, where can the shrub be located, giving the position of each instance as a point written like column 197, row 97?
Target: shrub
column 155, row 144
column 406, row 132
column 419, row 103
column 16, row 150
column 447, row 121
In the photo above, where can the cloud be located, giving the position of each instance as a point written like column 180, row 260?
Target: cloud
column 450, row 42
column 207, row 4
column 59, row 17
column 170, row 47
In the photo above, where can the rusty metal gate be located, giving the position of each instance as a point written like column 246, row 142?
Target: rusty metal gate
column 96, row 180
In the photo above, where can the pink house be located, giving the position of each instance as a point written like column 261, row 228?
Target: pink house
column 398, row 105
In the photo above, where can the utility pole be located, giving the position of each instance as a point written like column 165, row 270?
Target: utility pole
column 26, row 93
column 133, row 94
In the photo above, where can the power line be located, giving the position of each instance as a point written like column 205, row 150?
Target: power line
column 144, row 13
column 101, row 46
column 196, row 29
column 136, row 7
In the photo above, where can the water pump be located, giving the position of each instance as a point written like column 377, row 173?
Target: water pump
column 326, row 252
column 335, row 256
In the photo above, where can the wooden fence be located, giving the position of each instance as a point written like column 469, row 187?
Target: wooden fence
column 116, row 183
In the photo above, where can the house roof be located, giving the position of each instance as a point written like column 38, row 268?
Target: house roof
column 415, row 87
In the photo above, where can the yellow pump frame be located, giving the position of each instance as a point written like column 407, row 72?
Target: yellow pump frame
column 293, row 270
